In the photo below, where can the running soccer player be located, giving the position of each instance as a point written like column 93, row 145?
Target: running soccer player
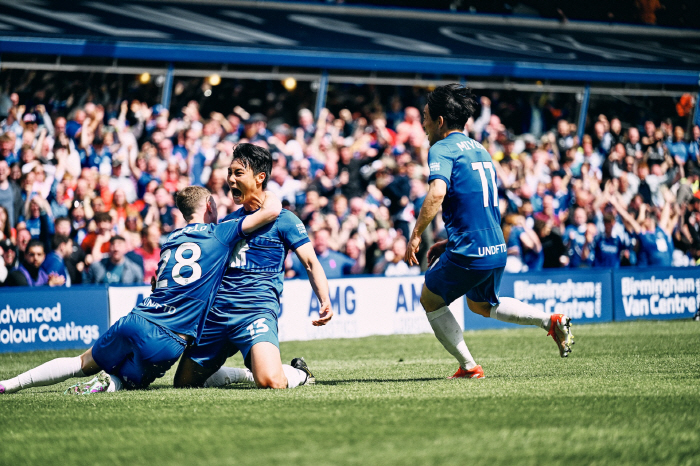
column 471, row 261
column 144, row 344
column 245, row 311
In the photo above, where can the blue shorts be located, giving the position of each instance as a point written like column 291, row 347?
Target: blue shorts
column 137, row 351
column 226, row 333
column 451, row 281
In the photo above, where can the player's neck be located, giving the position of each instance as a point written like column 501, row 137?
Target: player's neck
column 254, row 202
column 450, row 131
column 196, row 219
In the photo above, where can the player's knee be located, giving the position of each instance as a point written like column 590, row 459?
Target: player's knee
column 483, row 309
column 87, row 364
column 271, row 381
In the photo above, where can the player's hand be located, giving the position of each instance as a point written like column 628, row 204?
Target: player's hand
column 325, row 315
column 436, row 251
column 153, row 284
column 411, row 250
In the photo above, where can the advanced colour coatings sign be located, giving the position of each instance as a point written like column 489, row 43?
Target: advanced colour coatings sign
column 658, row 293
column 52, row 318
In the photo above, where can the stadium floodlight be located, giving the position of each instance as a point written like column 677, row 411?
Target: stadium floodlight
column 214, row 80
column 290, row 83
column 145, row 78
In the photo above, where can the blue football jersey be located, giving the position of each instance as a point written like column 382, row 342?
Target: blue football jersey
column 255, row 277
column 470, row 208
column 192, row 262
column 655, row 248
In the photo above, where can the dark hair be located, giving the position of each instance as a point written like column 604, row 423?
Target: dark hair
column 58, row 240
column 102, row 217
column 34, row 243
column 61, row 219
column 256, row 158
column 608, row 217
column 454, row 103
column 116, row 238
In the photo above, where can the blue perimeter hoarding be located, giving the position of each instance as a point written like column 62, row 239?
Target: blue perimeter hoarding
column 52, row 318
column 73, row 318
column 584, row 295
column 656, row 293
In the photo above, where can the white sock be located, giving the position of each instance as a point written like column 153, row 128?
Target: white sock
column 228, row 375
column 517, row 312
column 49, row 373
column 295, row 377
column 115, row 384
column 449, row 333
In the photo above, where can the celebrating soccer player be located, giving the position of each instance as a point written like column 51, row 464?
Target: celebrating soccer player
column 471, row 261
column 144, row 344
column 244, row 314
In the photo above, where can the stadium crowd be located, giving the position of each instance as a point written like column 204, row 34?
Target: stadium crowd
column 86, row 189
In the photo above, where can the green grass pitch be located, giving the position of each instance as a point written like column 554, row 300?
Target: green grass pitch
column 629, row 394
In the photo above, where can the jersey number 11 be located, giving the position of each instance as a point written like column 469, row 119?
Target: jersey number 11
column 480, row 166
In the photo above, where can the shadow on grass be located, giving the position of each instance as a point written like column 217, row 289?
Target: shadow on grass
column 347, row 381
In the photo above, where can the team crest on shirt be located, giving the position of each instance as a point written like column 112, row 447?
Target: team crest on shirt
column 435, row 167
column 301, row 228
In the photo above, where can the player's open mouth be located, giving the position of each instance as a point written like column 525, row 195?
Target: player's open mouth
column 236, row 192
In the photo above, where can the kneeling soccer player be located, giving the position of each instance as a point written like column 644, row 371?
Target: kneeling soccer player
column 471, row 261
column 244, row 314
column 144, row 344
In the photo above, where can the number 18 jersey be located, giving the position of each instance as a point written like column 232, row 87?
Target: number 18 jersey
column 192, row 263
column 470, row 208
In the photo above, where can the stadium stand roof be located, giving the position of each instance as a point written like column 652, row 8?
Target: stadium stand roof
column 314, row 36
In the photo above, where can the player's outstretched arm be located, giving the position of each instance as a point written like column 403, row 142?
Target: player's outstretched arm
column 319, row 283
column 268, row 212
column 433, row 200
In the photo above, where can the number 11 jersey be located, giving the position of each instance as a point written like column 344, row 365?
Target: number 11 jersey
column 470, row 208
column 192, row 263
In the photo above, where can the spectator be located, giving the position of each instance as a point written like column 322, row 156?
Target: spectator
column 678, row 148
column 609, row 247
column 554, row 251
column 75, row 261
column 116, row 268
column 159, row 209
column 150, row 251
column 335, row 264
column 62, row 248
column 29, row 272
column 654, row 239
column 393, row 264
column 118, row 180
column 37, row 219
column 10, row 195
column 97, row 242
column 9, row 255
column 633, row 146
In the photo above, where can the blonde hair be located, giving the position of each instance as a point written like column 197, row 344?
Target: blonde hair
column 190, row 199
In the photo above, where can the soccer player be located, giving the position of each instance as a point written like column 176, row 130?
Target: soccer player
column 471, row 261
column 244, row 314
column 144, row 344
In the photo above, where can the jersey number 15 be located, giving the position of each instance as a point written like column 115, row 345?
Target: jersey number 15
column 180, row 262
column 480, row 166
